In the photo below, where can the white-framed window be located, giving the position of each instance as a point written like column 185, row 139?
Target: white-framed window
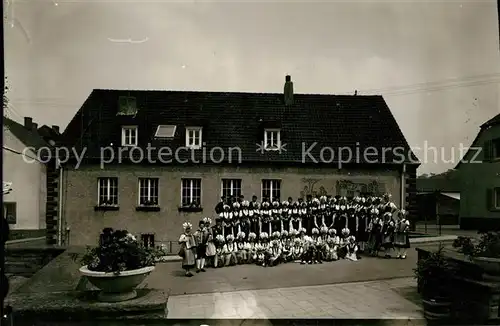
column 272, row 139
column 231, row 188
column 193, row 137
column 148, row 191
column 107, row 191
column 129, row 136
column 271, row 189
column 496, row 194
column 191, row 192
column 165, row 131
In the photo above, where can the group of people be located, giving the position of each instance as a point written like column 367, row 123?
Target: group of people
column 310, row 231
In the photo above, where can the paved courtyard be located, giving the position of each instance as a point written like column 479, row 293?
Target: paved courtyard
column 372, row 288
column 391, row 299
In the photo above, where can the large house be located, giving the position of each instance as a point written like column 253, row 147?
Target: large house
column 24, row 152
column 480, row 179
column 155, row 159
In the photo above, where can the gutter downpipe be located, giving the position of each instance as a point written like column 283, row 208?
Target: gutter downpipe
column 60, row 205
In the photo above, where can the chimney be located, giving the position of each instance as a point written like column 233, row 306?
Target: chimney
column 288, row 90
column 355, row 92
column 28, row 121
column 56, row 129
column 34, row 126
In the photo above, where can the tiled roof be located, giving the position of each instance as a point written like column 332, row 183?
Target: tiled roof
column 29, row 138
column 444, row 182
column 238, row 120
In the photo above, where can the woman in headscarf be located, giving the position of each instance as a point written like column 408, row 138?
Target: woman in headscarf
column 187, row 251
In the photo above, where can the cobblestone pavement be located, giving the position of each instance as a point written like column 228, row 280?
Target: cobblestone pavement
column 389, row 299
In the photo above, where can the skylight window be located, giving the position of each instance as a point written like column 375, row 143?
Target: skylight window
column 165, row 131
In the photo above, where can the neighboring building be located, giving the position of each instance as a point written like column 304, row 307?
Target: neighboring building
column 438, row 198
column 25, row 205
column 480, row 175
column 271, row 132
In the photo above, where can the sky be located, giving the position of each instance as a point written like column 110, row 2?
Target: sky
column 437, row 63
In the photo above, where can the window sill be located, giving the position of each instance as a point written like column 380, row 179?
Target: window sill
column 147, row 208
column 106, row 208
column 191, row 209
column 193, row 147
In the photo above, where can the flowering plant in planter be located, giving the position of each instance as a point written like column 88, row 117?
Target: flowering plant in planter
column 118, row 251
column 488, row 245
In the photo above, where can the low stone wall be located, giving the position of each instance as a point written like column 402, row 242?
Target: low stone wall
column 473, row 298
column 26, row 262
column 58, row 295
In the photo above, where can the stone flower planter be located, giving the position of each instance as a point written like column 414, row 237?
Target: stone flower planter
column 490, row 266
column 116, row 288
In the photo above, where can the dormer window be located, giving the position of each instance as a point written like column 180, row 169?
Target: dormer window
column 165, row 131
column 272, row 139
column 193, row 137
column 127, row 105
column 129, row 136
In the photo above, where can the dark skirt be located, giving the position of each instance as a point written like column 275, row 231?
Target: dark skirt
column 295, row 224
column 201, row 251
column 362, row 235
column 401, row 240
column 374, row 241
column 388, row 241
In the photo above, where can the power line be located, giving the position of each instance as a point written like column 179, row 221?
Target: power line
column 416, row 86
column 450, row 83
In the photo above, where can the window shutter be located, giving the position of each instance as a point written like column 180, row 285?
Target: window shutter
column 488, row 151
column 489, row 199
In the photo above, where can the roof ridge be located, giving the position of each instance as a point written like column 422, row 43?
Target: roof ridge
column 231, row 92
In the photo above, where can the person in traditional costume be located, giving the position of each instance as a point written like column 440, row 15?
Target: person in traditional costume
column 266, row 248
column 245, row 217
column 227, row 218
column 295, row 220
column 276, row 223
column 374, row 230
column 352, row 219
column 255, row 221
column 286, row 214
column 305, row 215
column 315, row 214
column 352, row 248
column 219, row 259
column 187, row 250
column 266, row 215
column 252, row 248
column 401, row 236
column 388, row 234
column 344, row 241
column 309, row 250
column 333, row 243
column 201, row 236
column 230, row 249
column 259, row 250
column 219, row 208
column 275, row 256
column 211, row 249
column 242, row 254
column 286, row 244
column 341, row 218
column 297, row 250
column 236, row 210
column 363, row 221
column 328, row 214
